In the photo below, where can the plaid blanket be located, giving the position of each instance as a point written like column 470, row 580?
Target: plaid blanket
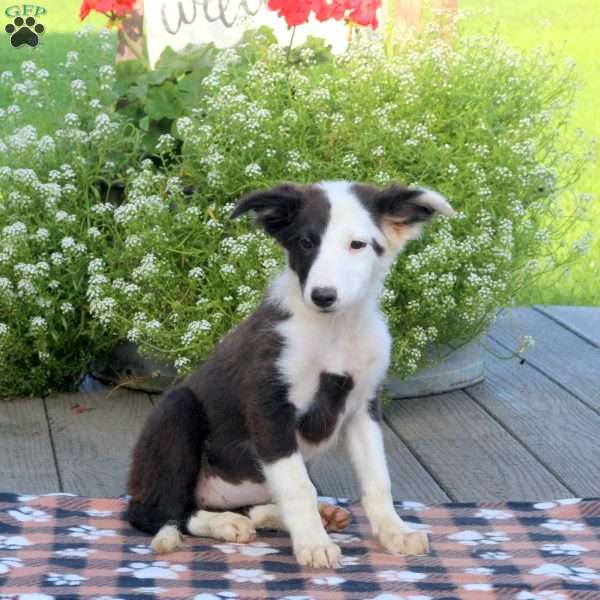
column 64, row 546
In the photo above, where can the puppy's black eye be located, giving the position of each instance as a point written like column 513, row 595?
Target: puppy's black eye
column 357, row 244
column 306, row 243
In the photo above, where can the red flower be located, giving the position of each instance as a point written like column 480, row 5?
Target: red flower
column 296, row 12
column 110, row 8
column 365, row 14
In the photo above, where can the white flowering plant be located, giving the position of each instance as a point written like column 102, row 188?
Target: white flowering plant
column 478, row 121
column 53, row 158
column 167, row 268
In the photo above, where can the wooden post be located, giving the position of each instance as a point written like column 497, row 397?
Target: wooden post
column 447, row 11
column 133, row 27
column 409, row 14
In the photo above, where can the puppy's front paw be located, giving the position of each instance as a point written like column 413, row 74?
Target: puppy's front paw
column 403, row 540
column 320, row 556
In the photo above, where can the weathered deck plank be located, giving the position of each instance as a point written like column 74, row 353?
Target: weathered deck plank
column 583, row 321
column 531, row 431
column 26, row 460
column 562, row 356
column 555, row 426
column 94, row 433
column 468, row 452
column 332, row 474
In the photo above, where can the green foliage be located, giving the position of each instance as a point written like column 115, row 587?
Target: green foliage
column 163, row 265
column 153, row 99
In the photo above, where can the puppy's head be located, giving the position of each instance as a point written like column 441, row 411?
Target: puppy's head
column 340, row 237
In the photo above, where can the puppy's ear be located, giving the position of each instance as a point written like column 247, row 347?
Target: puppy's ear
column 402, row 212
column 275, row 209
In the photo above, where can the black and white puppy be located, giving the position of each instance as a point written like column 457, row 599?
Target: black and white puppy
column 301, row 370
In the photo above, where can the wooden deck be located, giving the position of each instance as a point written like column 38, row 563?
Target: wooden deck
column 531, row 431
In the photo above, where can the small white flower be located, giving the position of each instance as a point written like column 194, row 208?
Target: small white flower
column 182, row 363
column 38, row 324
column 253, row 170
column 72, row 120
column 165, row 142
column 196, row 273
column 79, row 88
column 66, row 308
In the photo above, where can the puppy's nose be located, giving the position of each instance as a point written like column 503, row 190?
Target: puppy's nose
column 323, row 297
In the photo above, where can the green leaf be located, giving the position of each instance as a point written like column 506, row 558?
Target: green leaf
column 162, row 101
column 145, row 123
column 171, row 62
column 188, row 87
column 129, row 72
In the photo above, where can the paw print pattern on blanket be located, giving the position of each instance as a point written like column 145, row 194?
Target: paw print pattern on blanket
column 61, row 547
column 62, row 579
column 26, row 514
column 14, row 542
column 252, row 549
column 561, row 525
column 158, row 569
column 7, row 563
column 89, row 533
column 469, row 537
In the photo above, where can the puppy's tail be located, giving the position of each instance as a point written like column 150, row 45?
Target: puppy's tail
column 165, row 468
column 167, row 533
column 168, row 539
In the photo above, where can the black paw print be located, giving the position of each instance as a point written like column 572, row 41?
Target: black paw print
column 24, row 32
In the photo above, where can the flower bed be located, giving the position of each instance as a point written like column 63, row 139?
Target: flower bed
column 161, row 264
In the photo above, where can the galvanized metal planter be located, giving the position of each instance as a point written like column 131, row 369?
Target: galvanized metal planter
column 455, row 369
column 452, row 369
column 124, row 366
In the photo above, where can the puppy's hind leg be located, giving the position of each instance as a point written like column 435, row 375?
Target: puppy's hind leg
column 165, row 469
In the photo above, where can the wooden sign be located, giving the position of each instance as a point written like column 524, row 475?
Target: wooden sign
column 176, row 23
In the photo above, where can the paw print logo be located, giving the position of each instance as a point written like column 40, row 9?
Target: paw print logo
column 24, row 31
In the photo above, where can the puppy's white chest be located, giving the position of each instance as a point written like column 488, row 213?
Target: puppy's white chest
column 312, row 350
